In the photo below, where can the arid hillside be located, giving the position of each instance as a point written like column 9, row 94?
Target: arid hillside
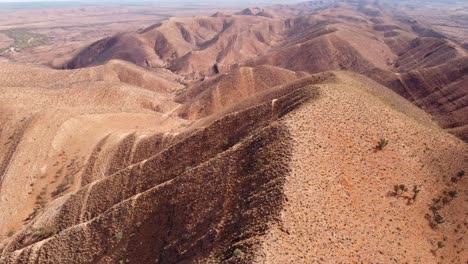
column 52, row 121
column 253, row 181
column 366, row 38
column 320, row 132
column 50, row 32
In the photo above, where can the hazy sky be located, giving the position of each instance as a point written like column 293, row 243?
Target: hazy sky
column 156, row 1
column 6, row 4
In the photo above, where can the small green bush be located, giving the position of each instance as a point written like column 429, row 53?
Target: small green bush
column 238, row 253
column 453, row 194
column 382, row 144
column 399, row 189
column 438, row 219
column 119, row 235
column 44, row 232
column 440, row 244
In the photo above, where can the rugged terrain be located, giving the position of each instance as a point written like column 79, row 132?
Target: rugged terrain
column 417, row 62
column 320, row 132
column 52, row 35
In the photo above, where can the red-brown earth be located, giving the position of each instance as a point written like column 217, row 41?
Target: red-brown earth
column 308, row 133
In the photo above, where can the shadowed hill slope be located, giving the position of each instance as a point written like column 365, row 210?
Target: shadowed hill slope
column 221, row 92
column 440, row 90
column 428, row 71
column 188, row 45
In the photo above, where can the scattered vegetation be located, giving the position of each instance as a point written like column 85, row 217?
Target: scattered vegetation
column 436, row 218
column 10, row 233
column 24, row 39
column 382, row 144
column 453, row 194
column 62, row 187
column 401, row 191
column 41, row 199
column 440, row 244
column 437, row 204
column 72, row 168
column 238, row 253
column 416, row 192
column 458, row 177
column 439, row 219
column 119, row 235
column 226, row 144
column 42, row 203
column 43, row 232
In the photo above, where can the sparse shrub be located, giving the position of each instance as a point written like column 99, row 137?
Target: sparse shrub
column 438, row 218
column 43, row 191
column 399, row 189
column 119, row 235
column 440, row 244
column 226, row 144
column 44, row 232
column 403, row 188
column 382, row 144
column 10, row 233
column 453, row 194
column 435, row 207
column 238, row 253
column 445, row 200
column 459, row 176
column 416, row 192
column 62, row 187
column 40, row 199
column 42, row 203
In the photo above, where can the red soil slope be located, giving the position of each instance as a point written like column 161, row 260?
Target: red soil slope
column 286, row 134
column 250, row 180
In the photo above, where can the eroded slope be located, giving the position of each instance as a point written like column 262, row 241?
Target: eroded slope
column 291, row 168
column 366, row 37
